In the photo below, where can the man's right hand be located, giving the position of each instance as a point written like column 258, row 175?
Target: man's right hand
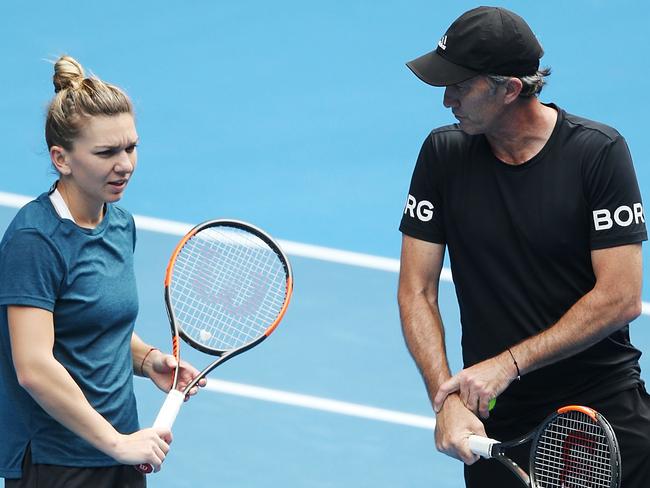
column 454, row 424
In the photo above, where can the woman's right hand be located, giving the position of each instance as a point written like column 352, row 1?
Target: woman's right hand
column 146, row 446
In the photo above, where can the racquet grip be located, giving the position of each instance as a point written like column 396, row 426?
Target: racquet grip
column 481, row 445
column 169, row 410
column 165, row 419
column 145, row 468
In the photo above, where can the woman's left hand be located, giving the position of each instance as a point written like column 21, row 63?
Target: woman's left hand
column 160, row 372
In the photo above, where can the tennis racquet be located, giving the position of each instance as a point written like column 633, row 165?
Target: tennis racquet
column 575, row 447
column 227, row 287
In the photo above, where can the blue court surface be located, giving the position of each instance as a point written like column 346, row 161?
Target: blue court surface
column 300, row 117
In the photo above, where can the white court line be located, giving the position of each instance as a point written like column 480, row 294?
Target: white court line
column 307, row 251
column 13, row 200
column 323, row 404
column 290, row 247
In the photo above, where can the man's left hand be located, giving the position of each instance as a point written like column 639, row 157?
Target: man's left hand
column 478, row 384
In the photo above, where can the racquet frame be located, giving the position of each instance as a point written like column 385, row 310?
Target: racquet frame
column 223, row 355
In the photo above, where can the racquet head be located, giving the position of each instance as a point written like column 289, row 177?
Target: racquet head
column 575, row 447
column 227, row 286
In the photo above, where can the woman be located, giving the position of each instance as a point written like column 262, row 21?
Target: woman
column 68, row 304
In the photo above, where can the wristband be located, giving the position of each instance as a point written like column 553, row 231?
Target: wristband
column 516, row 365
column 145, row 358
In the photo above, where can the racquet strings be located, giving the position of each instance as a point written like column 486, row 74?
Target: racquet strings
column 573, row 451
column 227, row 287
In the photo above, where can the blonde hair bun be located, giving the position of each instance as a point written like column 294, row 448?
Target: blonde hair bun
column 68, row 73
column 78, row 98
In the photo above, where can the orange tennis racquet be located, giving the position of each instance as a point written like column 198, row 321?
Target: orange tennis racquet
column 227, row 287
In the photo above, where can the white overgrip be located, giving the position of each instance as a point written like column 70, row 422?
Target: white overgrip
column 481, row 445
column 169, row 410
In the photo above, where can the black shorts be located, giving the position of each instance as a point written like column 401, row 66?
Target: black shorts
column 629, row 414
column 50, row 476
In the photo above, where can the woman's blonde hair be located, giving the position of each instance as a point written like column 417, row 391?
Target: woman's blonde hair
column 77, row 98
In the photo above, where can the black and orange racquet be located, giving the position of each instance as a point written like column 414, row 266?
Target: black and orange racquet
column 575, row 447
column 227, row 287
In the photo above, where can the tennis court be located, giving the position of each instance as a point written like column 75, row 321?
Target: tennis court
column 301, row 118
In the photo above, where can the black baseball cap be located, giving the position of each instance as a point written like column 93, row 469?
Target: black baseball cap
column 484, row 40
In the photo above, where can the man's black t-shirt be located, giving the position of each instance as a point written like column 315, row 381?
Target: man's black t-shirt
column 519, row 240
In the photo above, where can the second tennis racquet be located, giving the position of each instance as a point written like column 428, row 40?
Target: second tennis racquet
column 575, row 447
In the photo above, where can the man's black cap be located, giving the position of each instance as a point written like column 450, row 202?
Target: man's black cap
column 485, row 40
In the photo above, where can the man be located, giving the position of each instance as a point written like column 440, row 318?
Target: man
column 542, row 216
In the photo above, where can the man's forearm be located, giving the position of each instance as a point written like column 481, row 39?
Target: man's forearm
column 424, row 335
column 595, row 316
